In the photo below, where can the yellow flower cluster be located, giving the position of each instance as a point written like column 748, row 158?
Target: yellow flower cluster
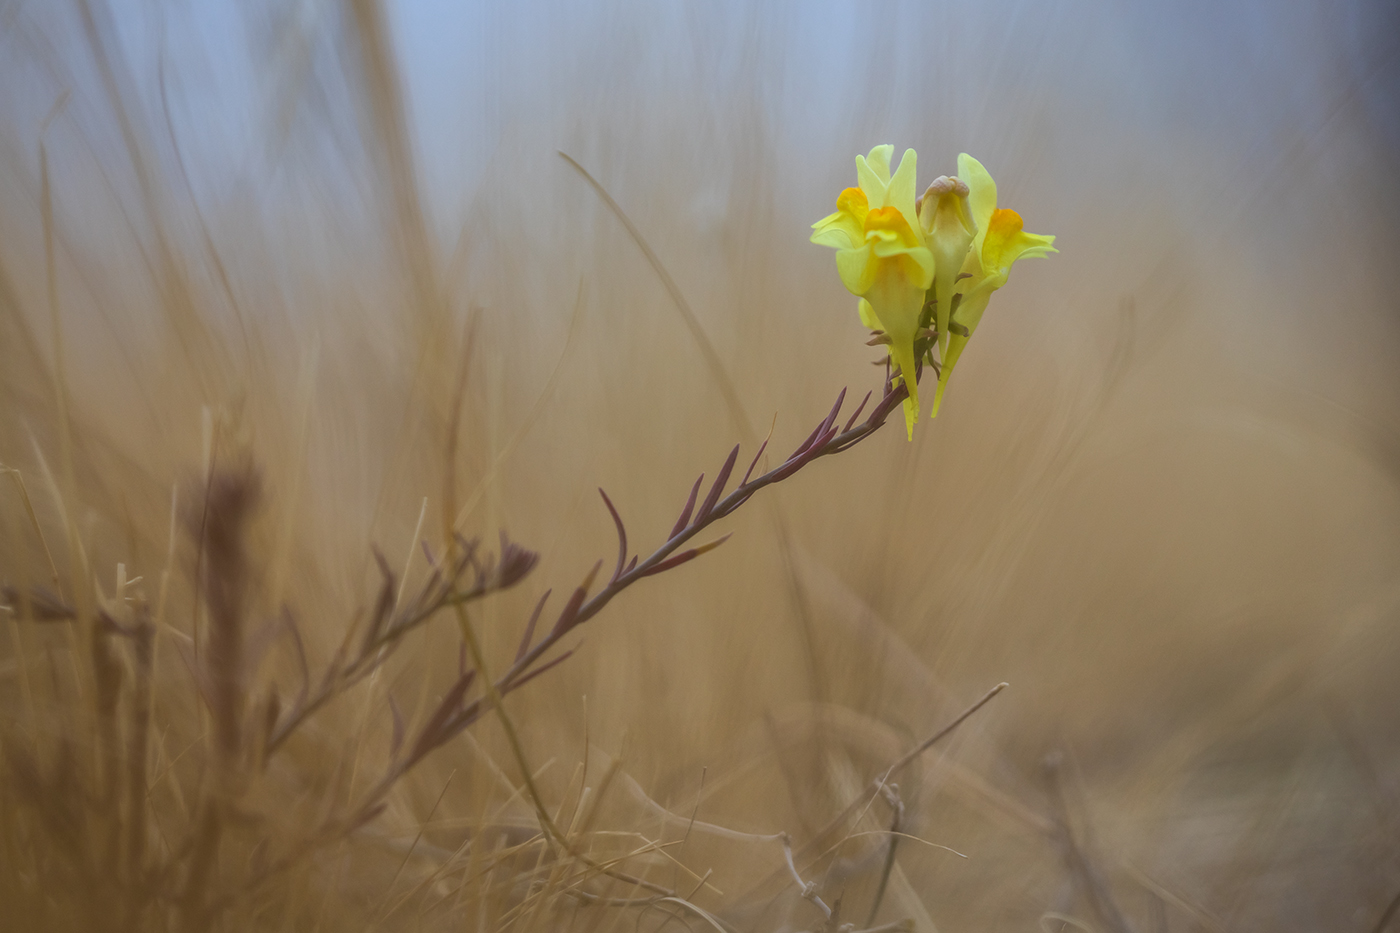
column 927, row 267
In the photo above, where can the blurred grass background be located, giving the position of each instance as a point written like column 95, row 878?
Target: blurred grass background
column 1161, row 500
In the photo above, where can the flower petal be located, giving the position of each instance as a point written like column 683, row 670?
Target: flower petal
column 844, row 229
column 890, row 235
column 981, row 196
column 900, row 194
column 857, row 268
column 948, row 228
column 897, row 303
column 918, row 268
column 879, row 160
column 968, row 316
column 874, row 175
column 837, row 231
column 1007, row 242
column 903, row 356
column 868, row 317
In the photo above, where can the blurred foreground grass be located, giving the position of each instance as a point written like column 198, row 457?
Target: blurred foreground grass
column 1160, row 501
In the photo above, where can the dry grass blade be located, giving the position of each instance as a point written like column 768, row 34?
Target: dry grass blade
column 18, row 479
column 697, row 333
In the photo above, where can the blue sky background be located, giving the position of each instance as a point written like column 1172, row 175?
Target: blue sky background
column 1255, row 81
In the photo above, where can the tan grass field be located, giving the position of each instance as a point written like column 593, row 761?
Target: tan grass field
column 285, row 285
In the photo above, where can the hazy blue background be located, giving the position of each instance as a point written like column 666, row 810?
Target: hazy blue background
column 1259, row 136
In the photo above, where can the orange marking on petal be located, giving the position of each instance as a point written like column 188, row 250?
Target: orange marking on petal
column 1001, row 230
column 1005, row 224
column 853, row 201
column 889, row 218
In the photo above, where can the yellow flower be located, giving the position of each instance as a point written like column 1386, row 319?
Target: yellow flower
column 969, row 234
column 935, row 261
column 882, row 256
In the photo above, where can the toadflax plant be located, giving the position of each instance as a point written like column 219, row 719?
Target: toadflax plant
column 923, row 269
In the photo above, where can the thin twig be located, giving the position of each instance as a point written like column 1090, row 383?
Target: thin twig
column 808, row 888
column 891, row 794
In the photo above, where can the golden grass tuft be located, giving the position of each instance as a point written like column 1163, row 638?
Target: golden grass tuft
column 315, row 619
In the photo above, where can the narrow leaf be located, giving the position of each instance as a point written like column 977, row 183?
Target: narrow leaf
column 621, row 534
column 718, row 488
column 529, row 635
column 676, row 560
column 540, row 670
column 761, row 448
column 429, row 736
column 835, row 410
column 571, row 608
column 816, row 432
column 859, row 408
column 383, row 605
column 798, row 461
column 685, row 513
